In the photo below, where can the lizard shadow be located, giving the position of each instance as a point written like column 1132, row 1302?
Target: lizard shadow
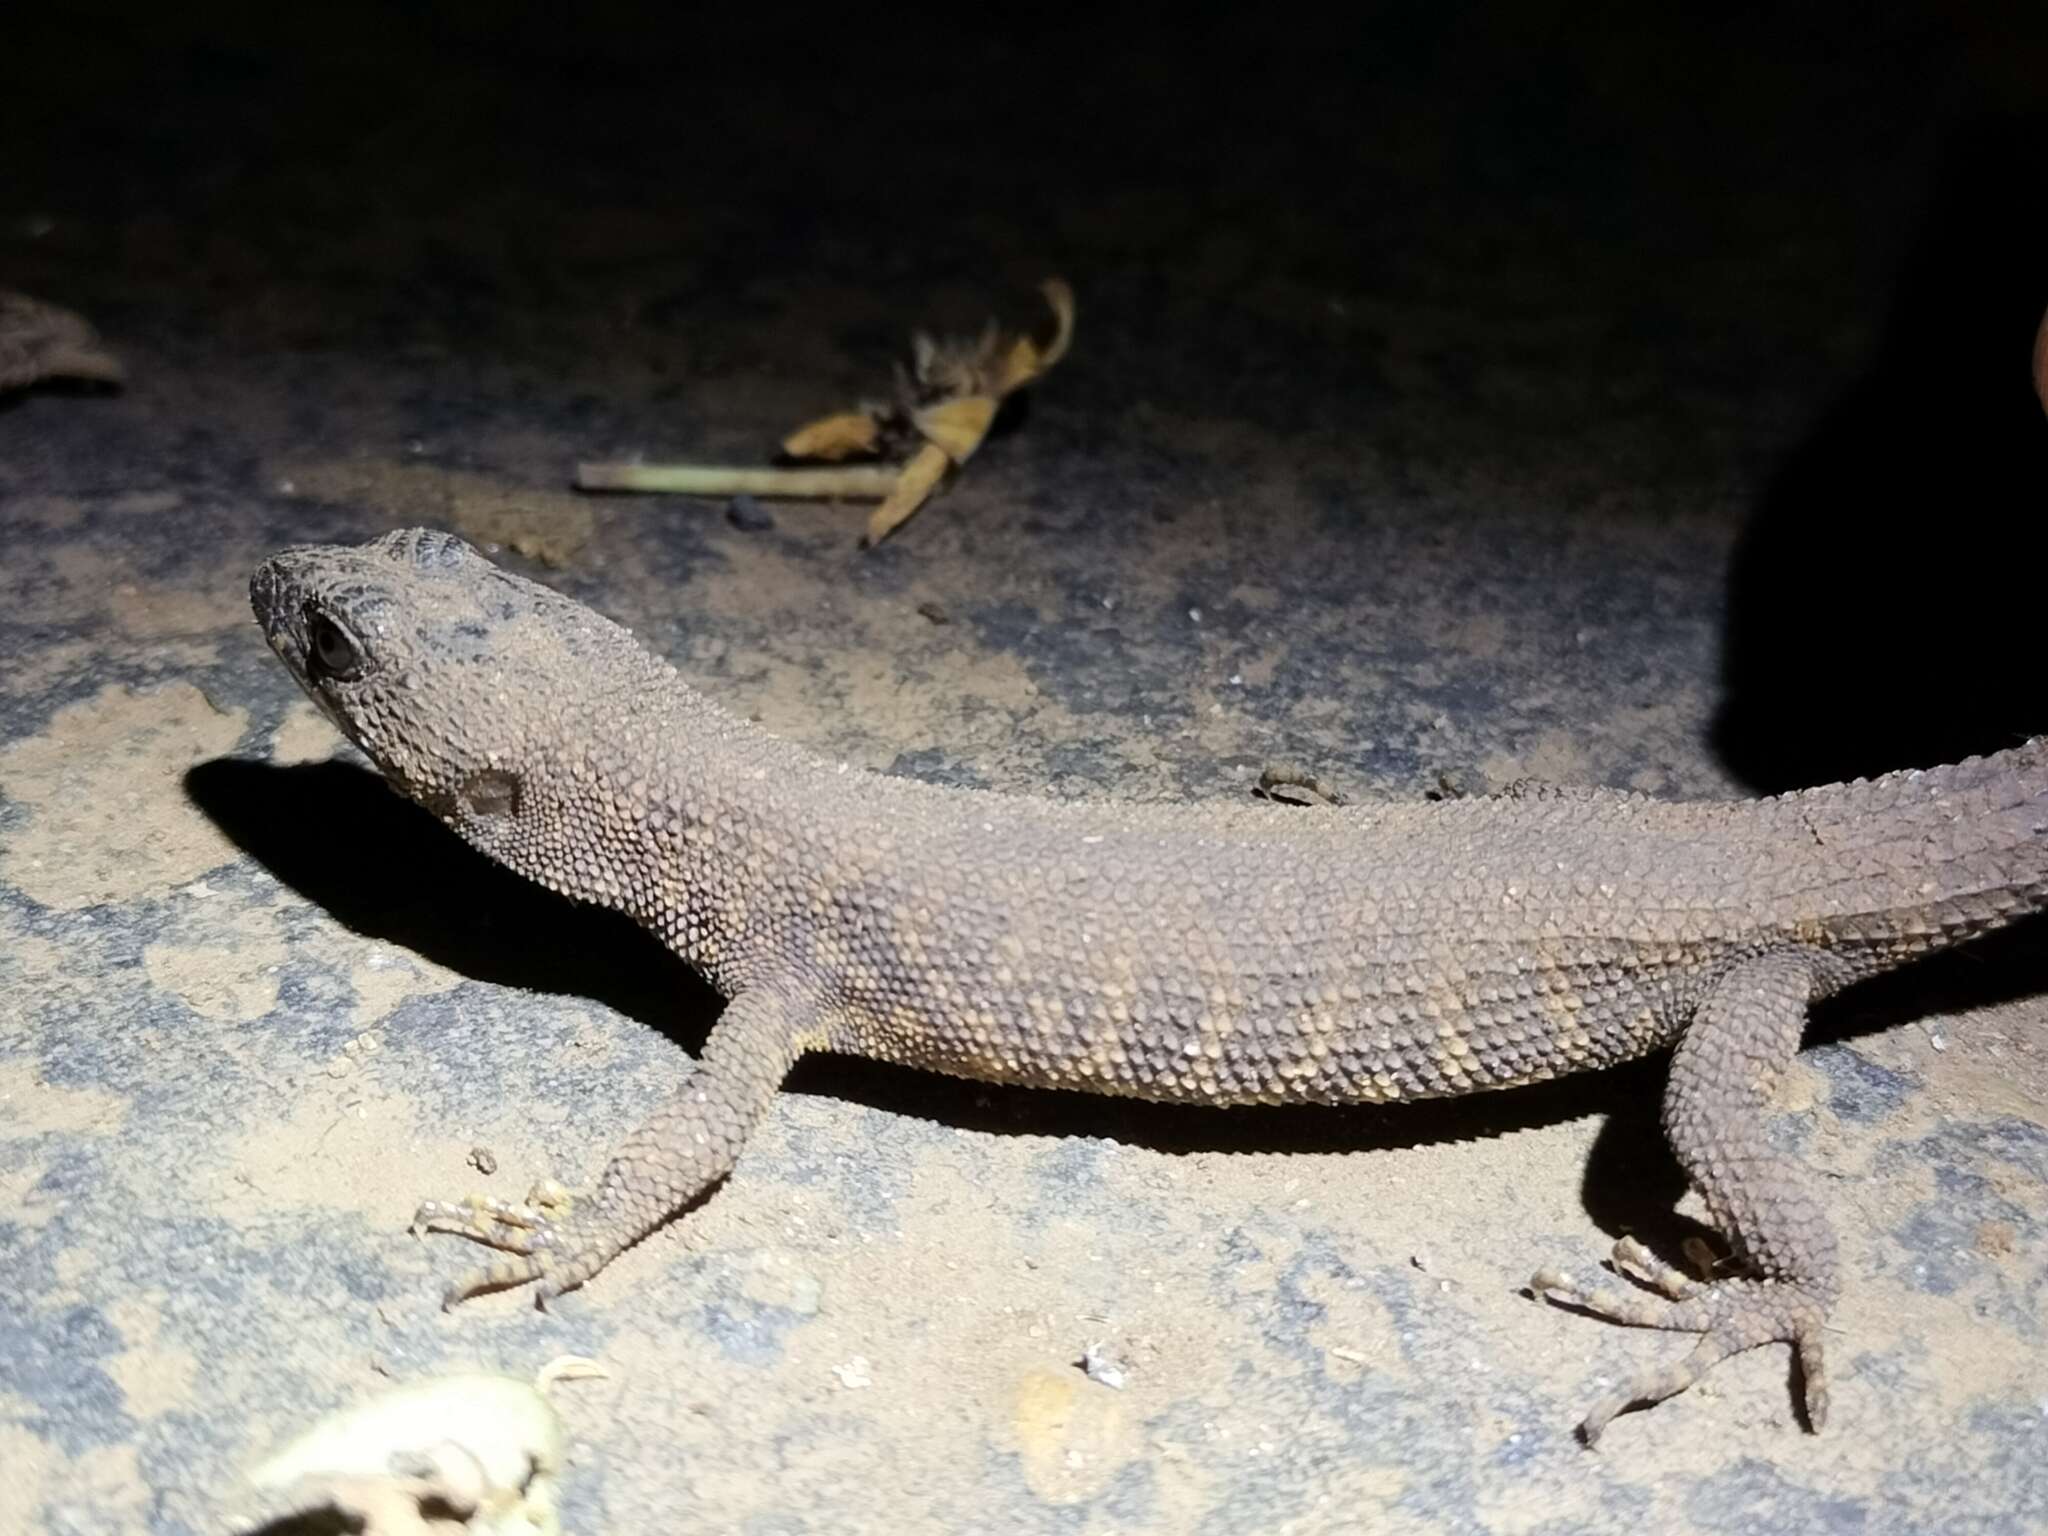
column 77, row 389
column 388, row 870
column 1633, row 1182
column 1884, row 573
column 336, row 835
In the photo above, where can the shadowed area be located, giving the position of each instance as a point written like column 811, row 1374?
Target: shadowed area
column 1889, row 564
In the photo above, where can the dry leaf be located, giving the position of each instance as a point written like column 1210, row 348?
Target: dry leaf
column 992, row 363
column 944, row 408
column 957, row 426
column 845, row 435
column 1061, row 297
column 486, row 1448
column 961, row 386
column 1026, row 360
column 920, row 477
column 40, row 341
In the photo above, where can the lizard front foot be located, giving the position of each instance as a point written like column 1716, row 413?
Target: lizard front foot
column 555, row 1243
column 1729, row 1315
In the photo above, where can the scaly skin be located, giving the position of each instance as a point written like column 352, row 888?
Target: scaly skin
column 1218, row 954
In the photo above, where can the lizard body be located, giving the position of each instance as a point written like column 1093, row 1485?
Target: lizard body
column 1220, row 954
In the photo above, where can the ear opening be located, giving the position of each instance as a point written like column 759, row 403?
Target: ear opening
column 493, row 792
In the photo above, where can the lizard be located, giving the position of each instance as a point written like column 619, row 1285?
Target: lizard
column 1226, row 953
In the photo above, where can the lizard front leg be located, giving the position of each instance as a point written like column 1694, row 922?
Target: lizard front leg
column 1727, row 1062
column 558, row 1241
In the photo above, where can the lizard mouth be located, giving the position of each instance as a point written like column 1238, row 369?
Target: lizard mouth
column 278, row 599
column 279, row 604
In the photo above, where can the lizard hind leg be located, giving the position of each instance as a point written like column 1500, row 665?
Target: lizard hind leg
column 1727, row 1062
column 558, row 1241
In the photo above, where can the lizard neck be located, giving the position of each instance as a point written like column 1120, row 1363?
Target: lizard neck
column 682, row 815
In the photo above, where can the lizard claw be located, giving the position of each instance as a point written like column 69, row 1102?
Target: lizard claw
column 1729, row 1315
column 539, row 1233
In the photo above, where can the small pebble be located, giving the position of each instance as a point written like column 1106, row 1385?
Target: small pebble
column 1103, row 1368
column 748, row 515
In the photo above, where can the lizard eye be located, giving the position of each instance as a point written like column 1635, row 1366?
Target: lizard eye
column 332, row 649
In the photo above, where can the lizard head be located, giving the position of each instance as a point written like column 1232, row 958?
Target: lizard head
column 466, row 685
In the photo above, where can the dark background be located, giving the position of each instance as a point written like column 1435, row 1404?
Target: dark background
column 1805, row 246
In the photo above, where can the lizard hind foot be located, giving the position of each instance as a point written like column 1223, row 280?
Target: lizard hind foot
column 1729, row 1315
column 538, row 1234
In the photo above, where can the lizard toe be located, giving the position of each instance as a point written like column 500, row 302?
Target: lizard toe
column 499, row 1275
column 540, row 1235
column 496, row 1223
column 1730, row 1316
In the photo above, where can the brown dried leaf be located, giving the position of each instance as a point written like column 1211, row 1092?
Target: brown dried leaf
column 1061, row 297
column 949, row 397
column 40, row 341
column 1027, row 360
column 993, row 363
column 920, row 477
column 957, row 426
column 843, row 435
